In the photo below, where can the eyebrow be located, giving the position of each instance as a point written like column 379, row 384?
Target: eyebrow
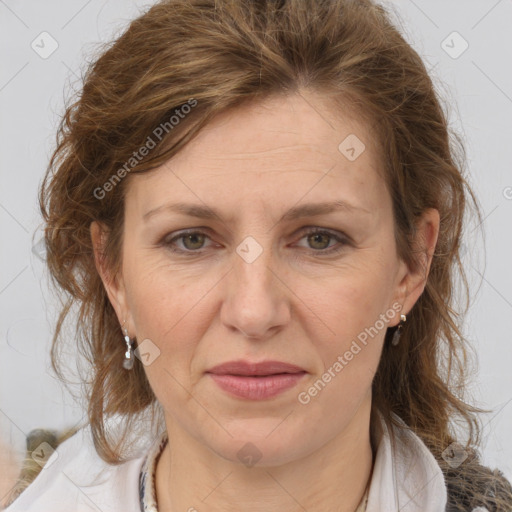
column 297, row 212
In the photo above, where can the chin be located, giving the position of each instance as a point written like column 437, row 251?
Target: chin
column 258, row 443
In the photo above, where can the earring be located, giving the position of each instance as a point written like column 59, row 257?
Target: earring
column 396, row 336
column 128, row 356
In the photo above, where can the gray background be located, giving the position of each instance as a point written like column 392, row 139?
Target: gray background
column 33, row 85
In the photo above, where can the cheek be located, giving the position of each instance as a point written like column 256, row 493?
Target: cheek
column 173, row 316
column 158, row 294
column 352, row 299
column 349, row 350
column 352, row 315
column 169, row 306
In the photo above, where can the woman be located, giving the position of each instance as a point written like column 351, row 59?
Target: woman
column 256, row 208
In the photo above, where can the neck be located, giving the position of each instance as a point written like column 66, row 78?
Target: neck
column 190, row 477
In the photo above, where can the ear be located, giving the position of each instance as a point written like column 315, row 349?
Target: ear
column 412, row 279
column 114, row 284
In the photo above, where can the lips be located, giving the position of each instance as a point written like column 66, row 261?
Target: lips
column 246, row 368
column 256, row 381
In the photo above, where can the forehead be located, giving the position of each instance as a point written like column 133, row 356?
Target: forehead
column 275, row 151
column 298, row 124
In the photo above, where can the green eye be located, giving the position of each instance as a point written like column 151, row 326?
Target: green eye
column 193, row 240
column 318, row 240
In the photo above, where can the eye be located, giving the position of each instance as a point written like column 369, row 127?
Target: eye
column 193, row 241
column 319, row 240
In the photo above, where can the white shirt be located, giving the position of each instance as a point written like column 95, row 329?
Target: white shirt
column 406, row 478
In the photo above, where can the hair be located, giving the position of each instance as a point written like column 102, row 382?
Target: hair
column 214, row 56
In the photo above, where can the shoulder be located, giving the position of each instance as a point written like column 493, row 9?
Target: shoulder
column 473, row 485
column 468, row 487
column 76, row 478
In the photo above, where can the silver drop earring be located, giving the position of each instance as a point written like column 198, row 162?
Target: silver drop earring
column 396, row 336
column 128, row 355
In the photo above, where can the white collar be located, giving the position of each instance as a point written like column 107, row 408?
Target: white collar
column 406, row 476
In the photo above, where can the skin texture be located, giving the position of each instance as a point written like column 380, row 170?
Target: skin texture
column 290, row 304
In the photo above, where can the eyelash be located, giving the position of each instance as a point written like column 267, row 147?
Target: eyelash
column 311, row 231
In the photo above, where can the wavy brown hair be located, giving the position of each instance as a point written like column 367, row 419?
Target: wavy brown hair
column 222, row 54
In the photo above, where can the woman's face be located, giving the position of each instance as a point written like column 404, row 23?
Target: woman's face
column 254, row 283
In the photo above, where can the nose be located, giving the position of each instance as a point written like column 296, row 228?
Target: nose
column 256, row 301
